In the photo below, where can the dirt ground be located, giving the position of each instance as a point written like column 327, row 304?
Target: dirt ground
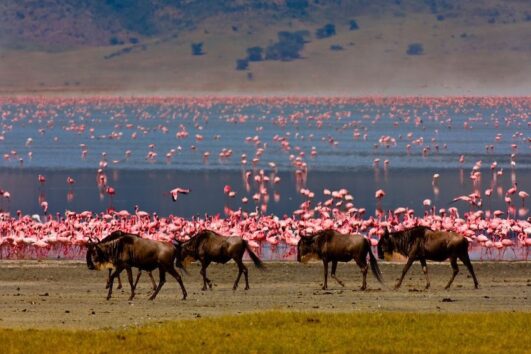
column 65, row 294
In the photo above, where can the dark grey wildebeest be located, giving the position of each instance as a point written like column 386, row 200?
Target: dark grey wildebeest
column 421, row 243
column 113, row 236
column 127, row 251
column 208, row 246
column 332, row 246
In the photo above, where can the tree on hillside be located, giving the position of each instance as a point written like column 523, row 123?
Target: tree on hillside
column 242, row 64
column 197, row 48
column 255, row 54
column 288, row 46
column 326, row 31
column 415, row 49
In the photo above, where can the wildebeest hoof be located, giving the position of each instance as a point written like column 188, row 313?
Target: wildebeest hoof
column 119, row 287
column 363, row 288
column 247, row 288
column 108, row 297
column 427, row 287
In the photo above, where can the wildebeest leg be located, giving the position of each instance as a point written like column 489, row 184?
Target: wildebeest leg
column 410, row 261
column 137, row 278
column 153, row 283
column 206, row 281
column 177, row 277
column 111, row 281
column 425, row 271
column 130, row 278
column 466, row 261
column 325, row 264
column 162, row 280
column 333, row 274
column 453, row 263
column 241, row 269
column 364, row 269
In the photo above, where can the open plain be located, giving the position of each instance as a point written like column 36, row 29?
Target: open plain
column 65, row 294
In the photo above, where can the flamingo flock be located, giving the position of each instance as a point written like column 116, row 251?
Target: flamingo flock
column 279, row 133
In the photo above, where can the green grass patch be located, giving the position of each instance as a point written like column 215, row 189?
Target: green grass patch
column 293, row 332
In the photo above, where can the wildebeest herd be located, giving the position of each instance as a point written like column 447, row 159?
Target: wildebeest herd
column 123, row 251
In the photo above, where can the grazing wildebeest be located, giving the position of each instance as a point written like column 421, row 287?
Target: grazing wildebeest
column 114, row 235
column 332, row 246
column 421, row 243
column 127, row 251
column 208, row 246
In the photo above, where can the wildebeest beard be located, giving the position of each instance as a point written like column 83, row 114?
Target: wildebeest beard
column 100, row 256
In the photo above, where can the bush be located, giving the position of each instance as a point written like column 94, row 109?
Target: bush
column 336, row 47
column 415, row 49
column 115, row 41
column 326, row 31
column 288, row 46
column 353, row 25
column 255, row 54
column 242, row 64
column 197, row 48
column 297, row 4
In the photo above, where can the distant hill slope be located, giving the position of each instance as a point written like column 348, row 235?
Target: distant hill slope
column 282, row 46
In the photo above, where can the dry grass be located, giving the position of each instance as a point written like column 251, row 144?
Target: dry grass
column 294, row 333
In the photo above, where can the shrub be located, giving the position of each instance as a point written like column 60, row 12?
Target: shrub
column 415, row 49
column 336, row 47
column 242, row 64
column 354, row 25
column 288, row 46
column 197, row 48
column 297, row 4
column 326, row 31
column 255, row 54
column 115, row 41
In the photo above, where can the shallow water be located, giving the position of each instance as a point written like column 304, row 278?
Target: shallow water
column 149, row 190
column 439, row 132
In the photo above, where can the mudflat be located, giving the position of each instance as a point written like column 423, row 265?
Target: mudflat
column 65, row 294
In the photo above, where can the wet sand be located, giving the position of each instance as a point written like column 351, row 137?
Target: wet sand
column 65, row 294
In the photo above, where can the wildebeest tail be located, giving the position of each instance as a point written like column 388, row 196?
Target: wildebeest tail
column 257, row 262
column 178, row 261
column 374, row 265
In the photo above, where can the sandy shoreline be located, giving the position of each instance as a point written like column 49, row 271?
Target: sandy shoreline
column 64, row 294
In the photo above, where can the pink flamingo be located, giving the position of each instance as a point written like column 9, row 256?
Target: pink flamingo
column 176, row 191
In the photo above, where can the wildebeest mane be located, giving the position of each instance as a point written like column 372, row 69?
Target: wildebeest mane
column 404, row 240
column 322, row 236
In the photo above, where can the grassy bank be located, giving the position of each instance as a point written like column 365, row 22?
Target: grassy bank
column 294, row 332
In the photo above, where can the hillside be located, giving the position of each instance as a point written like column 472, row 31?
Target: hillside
column 298, row 47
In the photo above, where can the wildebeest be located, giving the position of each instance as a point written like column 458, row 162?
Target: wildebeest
column 208, row 246
column 421, row 243
column 111, row 237
column 332, row 246
column 127, row 251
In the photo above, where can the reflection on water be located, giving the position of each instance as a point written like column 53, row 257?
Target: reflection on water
column 149, row 190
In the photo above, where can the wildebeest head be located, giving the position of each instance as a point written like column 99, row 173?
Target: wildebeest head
column 385, row 245
column 97, row 258
column 182, row 258
column 306, row 249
